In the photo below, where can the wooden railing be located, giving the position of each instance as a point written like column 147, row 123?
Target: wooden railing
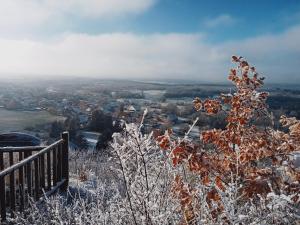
column 32, row 172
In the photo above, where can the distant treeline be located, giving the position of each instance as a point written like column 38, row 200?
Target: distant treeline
column 190, row 93
column 128, row 94
column 284, row 102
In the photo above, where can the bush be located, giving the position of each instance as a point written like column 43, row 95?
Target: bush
column 242, row 174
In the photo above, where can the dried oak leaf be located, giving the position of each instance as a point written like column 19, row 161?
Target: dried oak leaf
column 219, row 183
column 197, row 104
column 163, row 142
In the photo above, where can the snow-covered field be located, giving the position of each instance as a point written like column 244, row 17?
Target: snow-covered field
column 11, row 120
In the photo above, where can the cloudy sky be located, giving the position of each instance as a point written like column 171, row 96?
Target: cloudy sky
column 149, row 39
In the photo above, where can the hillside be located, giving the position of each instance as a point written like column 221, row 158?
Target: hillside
column 244, row 173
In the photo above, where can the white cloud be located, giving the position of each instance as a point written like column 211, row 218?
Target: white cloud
column 127, row 55
column 119, row 55
column 16, row 14
column 221, row 20
column 26, row 15
column 276, row 56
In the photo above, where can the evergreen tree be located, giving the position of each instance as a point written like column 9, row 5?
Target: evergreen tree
column 56, row 129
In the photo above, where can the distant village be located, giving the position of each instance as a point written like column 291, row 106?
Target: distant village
column 80, row 103
column 168, row 106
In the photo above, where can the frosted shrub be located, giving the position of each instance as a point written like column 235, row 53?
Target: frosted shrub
column 147, row 177
column 139, row 191
column 243, row 173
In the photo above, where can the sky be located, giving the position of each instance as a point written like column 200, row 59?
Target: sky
column 149, row 39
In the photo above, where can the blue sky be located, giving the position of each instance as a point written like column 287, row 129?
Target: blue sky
column 149, row 39
column 246, row 18
column 241, row 19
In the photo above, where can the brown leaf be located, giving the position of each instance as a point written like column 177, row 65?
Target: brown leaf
column 197, row 104
column 219, row 183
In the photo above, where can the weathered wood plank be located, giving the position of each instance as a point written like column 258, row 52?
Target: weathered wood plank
column 59, row 162
column 12, row 189
column 42, row 171
column 2, row 190
column 28, row 175
column 22, row 149
column 54, row 165
column 36, row 179
column 65, row 160
column 1, row 161
column 48, row 171
column 21, row 183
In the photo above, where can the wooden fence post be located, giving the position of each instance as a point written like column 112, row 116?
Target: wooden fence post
column 28, row 176
column 2, row 190
column 54, row 165
column 12, row 188
column 36, row 179
column 21, row 183
column 49, row 171
column 65, row 160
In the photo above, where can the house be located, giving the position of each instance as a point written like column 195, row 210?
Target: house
column 91, row 138
column 130, row 109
